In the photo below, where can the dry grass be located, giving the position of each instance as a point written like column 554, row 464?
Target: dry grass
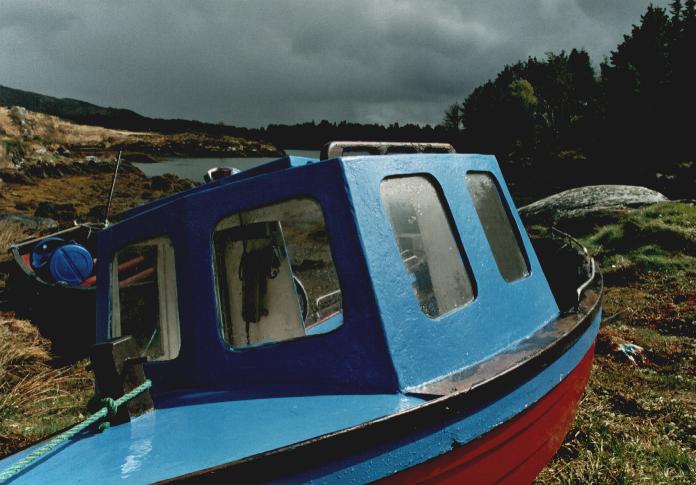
column 60, row 131
column 9, row 232
column 36, row 399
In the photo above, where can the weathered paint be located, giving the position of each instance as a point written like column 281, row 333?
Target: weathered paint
column 502, row 313
column 514, row 452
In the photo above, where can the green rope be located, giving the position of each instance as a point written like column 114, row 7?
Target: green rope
column 110, row 406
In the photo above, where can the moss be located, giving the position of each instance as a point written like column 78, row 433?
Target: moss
column 660, row 237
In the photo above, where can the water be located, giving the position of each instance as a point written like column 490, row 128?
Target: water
column 195, row 168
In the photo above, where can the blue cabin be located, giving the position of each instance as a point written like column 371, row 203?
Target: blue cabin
column 344, row 319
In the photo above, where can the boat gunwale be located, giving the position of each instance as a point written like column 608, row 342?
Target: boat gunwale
column 294, row 458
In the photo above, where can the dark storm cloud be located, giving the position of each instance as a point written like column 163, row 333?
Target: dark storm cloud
column 258, row 62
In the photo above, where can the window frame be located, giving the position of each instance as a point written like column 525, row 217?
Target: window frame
column 454, row 231
column 335, row 320
column 169, row 321
column 514, row 226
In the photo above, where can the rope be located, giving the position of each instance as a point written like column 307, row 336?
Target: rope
column 110, row 406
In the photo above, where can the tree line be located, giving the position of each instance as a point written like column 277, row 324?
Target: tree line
column 556, row 122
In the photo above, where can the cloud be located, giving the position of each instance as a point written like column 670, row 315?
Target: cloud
column 257, row 62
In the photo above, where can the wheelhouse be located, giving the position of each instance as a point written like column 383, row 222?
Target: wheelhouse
column 360, row 273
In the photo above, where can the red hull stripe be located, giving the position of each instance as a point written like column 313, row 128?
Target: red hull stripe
column 514, row 452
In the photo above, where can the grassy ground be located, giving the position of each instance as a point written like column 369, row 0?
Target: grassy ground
column 637, row 421
column 36, row 397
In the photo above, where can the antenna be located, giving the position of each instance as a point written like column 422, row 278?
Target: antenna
column 111, row 192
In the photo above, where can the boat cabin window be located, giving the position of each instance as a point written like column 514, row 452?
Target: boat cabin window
column 501, row 231
column 276, row 279
column 430, row 251
column 144, row 298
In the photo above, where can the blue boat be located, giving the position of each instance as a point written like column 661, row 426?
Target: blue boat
column 353, row 319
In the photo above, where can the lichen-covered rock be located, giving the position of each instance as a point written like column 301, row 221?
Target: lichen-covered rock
column 574, row 205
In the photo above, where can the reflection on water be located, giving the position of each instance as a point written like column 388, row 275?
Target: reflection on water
column 195, row 168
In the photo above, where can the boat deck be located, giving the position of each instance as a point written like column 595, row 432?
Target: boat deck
column 180, row 439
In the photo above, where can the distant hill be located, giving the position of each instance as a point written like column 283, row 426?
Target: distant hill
column 90, row 114
column 309, row 135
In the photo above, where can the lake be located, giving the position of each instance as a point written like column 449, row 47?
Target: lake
column 195, row 168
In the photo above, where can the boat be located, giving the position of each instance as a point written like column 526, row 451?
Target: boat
column 53, row 282
column 66, row 293
column 437, row 345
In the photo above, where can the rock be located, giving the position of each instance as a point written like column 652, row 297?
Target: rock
column 595, row 201
column 61, row 212
column 19, row 114
column 31, row 224
column 170, row 183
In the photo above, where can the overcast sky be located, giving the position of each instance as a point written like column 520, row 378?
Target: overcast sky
column 250, row 63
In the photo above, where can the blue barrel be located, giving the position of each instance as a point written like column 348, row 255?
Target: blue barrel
column 42, row 252
column 71, row 264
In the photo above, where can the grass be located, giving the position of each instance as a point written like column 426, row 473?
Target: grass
column 637, row 422
column 9, row 232
column 36, row 398
column 657, row 238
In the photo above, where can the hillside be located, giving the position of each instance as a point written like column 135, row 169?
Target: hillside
column 27, row 136
column 90, row 114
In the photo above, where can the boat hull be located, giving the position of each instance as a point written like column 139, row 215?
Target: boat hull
column 507, row 430
column 516, row 451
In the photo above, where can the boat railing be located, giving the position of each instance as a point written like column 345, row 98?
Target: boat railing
column 320, row 302
column 583, row 250
column 336, row 149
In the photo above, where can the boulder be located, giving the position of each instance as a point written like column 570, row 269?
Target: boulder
column 594, row 202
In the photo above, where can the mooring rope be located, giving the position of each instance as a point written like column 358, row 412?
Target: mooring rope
column 110, row 406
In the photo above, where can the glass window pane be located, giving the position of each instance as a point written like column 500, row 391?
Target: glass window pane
column 144, row 298
column 275, row 275
column 499, row 227
column 427, row 243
